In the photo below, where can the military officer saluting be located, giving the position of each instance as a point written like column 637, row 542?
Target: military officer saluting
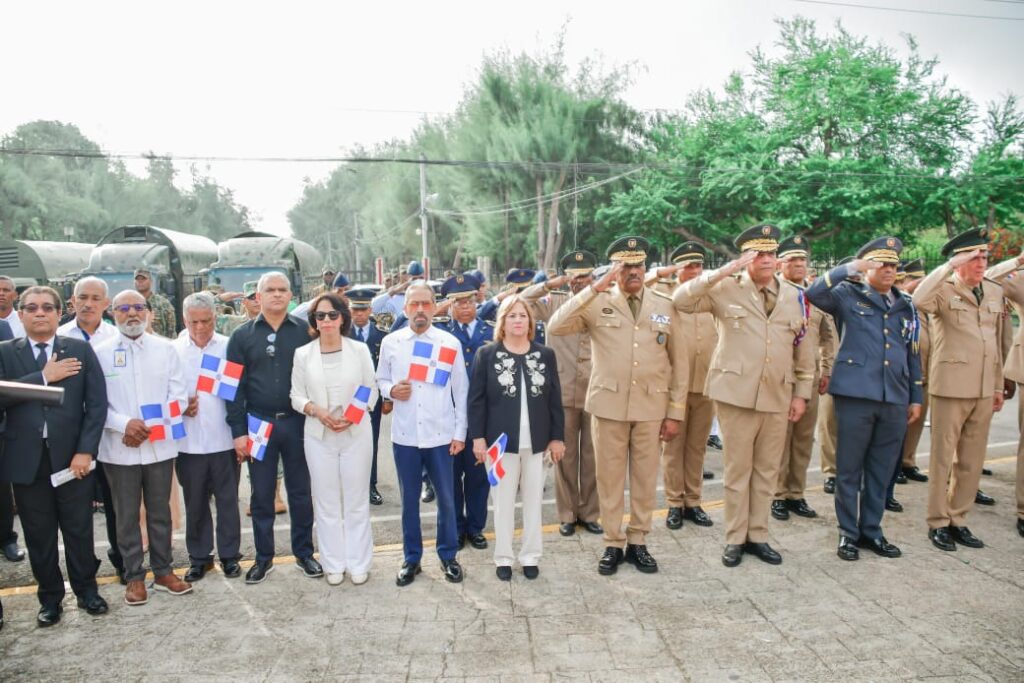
column 366, row 330
column 683, row 458
column 637, row 392
column 575, row 481
column 516, row 280
column 760, row 377
column 471, row 486
column 965, row 381
column 876, row 386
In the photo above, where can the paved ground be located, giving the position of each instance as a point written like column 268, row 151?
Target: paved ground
column 955, row 616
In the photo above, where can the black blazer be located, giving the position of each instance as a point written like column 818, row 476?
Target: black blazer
column 494, row 396
column 75, row 426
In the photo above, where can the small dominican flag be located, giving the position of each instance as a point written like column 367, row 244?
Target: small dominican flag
column 219, row 376
column 357, row 408
column 259, row 437
column 495, row 470
column 164, row 421
column 431, row 363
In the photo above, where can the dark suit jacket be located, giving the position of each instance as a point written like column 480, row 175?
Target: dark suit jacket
column 495, row 408
column 75, row 426
column 6, row 334
column 373, row 339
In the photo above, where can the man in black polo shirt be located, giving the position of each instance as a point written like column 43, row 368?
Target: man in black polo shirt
column 265, row 346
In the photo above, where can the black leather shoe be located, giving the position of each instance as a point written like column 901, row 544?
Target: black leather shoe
column 830, row 485
column 697, row 515
column 674, row 518
column 986, row 471
column 531, row 571
column 914, row 474
column 847, row 549
column 763, row 552
column 901, row 478
column 733, row 555
column 638, row 556
column 93, row 604
column 779, row 510
column 258, row 571
column 310, row 567
column 1, row 616
column 567, row 528
column 375, row 497
column 478, row 541
column 708, row 474
column 15, row 554
column 610, row 561
column 428, row 494
column 452, row 571
column 231, row 568
column 197, row 571
column 963, row 536
column 48, row 616
column 941, row 539
column 880, row 546
column 1020, row 527
column 503, row 573
column 982, row 498
column 715, row 442
column 592, row 527
column 893, row 505
column 800, row 508
column 407, row 574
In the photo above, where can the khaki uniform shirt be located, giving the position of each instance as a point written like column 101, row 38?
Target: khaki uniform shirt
column 701, row 339
column 966, row 360
column 755, row 365
column 640, row 370
column 572, row 350
column 1008, row 275
column 163, row 316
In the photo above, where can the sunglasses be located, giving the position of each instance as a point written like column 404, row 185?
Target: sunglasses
column 271, row 338
column 327, row 315
column 32, row 308
column 125, row 308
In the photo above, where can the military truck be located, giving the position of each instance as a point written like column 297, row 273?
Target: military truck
column 248, row 255
column 56, row 264
column 177, row 260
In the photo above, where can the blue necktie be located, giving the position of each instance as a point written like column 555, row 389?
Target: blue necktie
column 359, row 334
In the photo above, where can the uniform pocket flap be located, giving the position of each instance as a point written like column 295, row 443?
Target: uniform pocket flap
column 606, row 384
column 953, row 358
column 850, row 358
column 958, row 304
column 733, row 366
column 734, row 311
column 608, row 321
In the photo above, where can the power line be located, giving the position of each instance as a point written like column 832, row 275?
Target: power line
column 909, row 11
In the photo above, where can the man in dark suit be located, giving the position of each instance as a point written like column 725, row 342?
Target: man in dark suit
column 364, row 329
column 41, row 440
column 8, row 536
column 876, row 387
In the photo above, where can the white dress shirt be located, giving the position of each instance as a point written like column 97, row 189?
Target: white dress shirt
column 208, row 431
column 434, row 415
column 138, row 372
column 14, row 320
column 104, row 332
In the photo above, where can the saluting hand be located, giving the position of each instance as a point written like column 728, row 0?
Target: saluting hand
column 963, row 257
column 557, row 282
column 865, row 265
column 605, row 283
column 738, row 264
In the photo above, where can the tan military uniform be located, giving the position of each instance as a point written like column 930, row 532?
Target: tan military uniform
column 965, row 371
column 1011, row 278
column 683, row 457
column 755, row 373
column 828, row 431
column 639, row 377
column 163, row 320
column 916, row 428
column 575, row 478
column 821, row 337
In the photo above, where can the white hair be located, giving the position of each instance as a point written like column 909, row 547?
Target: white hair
column 199, row 300
column 92, row 280
column 274, row 274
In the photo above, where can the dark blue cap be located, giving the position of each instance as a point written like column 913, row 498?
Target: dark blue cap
column 414, row 268
column 360, row 298
column 341, row 281
column 520, row 277
column 458, row 286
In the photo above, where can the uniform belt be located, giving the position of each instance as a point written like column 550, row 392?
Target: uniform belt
column 268, row 415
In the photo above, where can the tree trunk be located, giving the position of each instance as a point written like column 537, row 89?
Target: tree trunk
column 540, row 221
column 507, row 220
column 949, row 222
column 551, row 244
column 990, row 220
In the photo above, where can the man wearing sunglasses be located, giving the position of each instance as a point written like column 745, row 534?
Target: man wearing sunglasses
column 265, row 347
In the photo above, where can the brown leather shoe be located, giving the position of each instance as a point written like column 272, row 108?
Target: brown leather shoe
column 171, row 584
column 136, row 594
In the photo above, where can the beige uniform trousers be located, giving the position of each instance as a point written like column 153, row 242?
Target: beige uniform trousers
column 1020, row 451
column 575, row 480
column 796, row 453
column 620, row 446
column 753, row 443
column 827, row 432
column 914, row 431
column 683, row 456
column 959, row 441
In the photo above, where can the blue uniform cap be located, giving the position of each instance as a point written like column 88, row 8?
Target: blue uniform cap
column 414, row 268
column 520, row 277
column 459, row 286
column 341, row 281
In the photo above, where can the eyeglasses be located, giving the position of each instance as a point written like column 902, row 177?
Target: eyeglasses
column 32, row 308
column 332, row 315
column 125, row 308
column 271, row 338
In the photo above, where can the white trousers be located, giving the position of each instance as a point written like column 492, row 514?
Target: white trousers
column 339, row 478
column 524, row 471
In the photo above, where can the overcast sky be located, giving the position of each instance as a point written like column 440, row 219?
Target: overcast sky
column 302, row 79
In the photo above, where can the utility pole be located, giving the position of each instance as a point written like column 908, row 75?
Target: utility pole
column 423, row 214
column 355, row 222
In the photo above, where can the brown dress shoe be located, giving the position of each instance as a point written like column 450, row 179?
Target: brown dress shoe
column 172, row 584
column 136, row 594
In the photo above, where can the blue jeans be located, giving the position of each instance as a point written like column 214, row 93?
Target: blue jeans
column 409, row 464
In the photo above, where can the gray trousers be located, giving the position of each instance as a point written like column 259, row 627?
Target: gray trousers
column 201, row 474
column 131, row 485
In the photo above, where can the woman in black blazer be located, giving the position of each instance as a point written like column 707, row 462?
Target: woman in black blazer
column 512, row 373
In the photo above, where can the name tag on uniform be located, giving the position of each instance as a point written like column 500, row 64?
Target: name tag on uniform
column 120, row 358
column 661, row 319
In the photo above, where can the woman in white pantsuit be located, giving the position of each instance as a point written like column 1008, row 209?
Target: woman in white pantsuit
column 325, row 376
column 514, row 390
